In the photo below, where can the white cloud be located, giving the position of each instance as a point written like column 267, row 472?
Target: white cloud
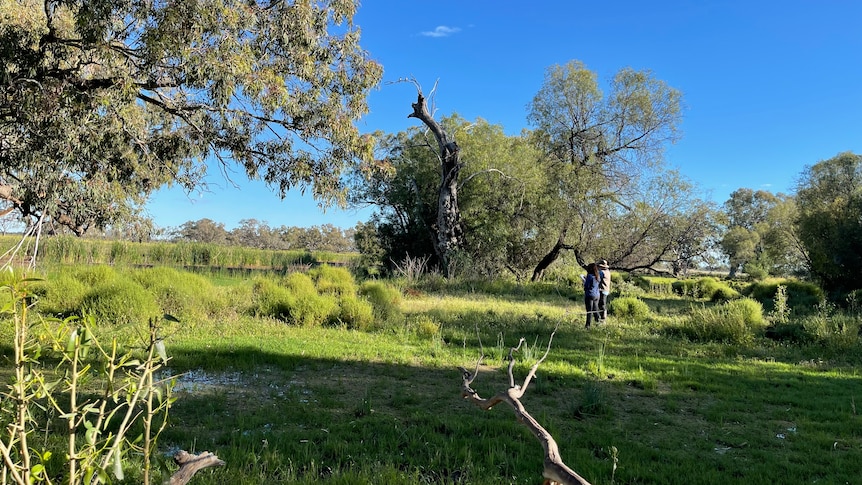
column 441, row 31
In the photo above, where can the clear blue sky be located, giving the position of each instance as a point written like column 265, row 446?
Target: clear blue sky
column 769, row 86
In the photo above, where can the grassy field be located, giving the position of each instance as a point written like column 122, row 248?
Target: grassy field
column 641, row 400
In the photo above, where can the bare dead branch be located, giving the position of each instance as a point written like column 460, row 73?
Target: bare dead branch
column 555, row 471
column 191, row 464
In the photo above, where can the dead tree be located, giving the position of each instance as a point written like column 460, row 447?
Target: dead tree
column 555, row 471
column 191, row 464
column 449, row 233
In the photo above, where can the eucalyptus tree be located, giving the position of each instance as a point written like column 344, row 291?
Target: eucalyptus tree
column 760, row 237
column 596, row 150
column 829, row 200
column 103, row 102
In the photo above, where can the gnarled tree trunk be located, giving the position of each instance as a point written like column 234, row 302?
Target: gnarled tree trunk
column 449, row 233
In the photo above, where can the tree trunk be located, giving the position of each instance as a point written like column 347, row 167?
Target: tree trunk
column 553, row 255
column 449, row 233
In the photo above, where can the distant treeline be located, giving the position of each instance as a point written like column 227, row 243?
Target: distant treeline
column 75, row 250
column 257, row 234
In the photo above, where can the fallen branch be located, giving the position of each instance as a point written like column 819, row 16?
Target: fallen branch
column 555, row 471
column 191, row 464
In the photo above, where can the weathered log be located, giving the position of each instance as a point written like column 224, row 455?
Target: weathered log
column 191, row 464
column 555, row 471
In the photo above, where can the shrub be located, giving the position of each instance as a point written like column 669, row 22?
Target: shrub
column 789, row 332
column 120, row 301
column 801, row 295
column 750, row 310
column 656, row 285
column 629, row 307
column 95, row 275
column 306, row 306
column 705, row 287
column 270, row 300
column 333, row 280
column 182, row 294
column 385, row 299
column 735, row 322
column 61, row 295
column 355, row 313
column 725, row 293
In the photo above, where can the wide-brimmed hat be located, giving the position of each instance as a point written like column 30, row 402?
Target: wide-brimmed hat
column 603, row 264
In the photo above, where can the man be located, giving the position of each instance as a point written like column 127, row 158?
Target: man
column 604, row 288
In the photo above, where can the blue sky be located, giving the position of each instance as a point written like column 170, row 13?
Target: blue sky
column 769, row 86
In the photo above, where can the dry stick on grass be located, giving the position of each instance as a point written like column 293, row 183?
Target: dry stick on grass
column 555, row 471
column 191, row 464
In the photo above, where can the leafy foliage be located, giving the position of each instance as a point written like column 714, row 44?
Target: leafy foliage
column 104, row 102
column 829, row 198
column 760, row 236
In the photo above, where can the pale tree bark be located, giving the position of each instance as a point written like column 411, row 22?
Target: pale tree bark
column 191, row 464
column 555, row 471
column 449, row 235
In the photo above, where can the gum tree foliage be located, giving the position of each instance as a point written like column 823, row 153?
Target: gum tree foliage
column 103, row 101
column 496, row 182
column 602, row 152
column 829, row 200
column 760, row 237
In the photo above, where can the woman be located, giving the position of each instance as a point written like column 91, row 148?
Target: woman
column 591, row 293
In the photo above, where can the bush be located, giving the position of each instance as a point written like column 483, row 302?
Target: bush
column 120, row 301
column 705, row 287
column 355, row 313
column 181, row 294
column 61, row 295
column 750, row 310
column 656, row 285
column 306, row 306
column 733, row 322
column 801, row 295
column 332, row 280
column 629, row 307
column 95, row 275
column 270, row 300
column 385, row 299
column 725, row 293
column 794, row 333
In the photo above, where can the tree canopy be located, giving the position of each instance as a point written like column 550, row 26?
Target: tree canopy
column 829, row 200
column 760, row 236
column 103, row 102
column 603, row 152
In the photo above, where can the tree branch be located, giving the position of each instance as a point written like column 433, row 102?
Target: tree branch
column 191, row 464
column 555, row 471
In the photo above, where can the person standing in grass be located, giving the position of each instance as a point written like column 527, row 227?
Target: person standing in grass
column 604, row 289
column 591, row 293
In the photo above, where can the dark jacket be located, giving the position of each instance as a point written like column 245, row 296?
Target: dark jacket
column 591, row 287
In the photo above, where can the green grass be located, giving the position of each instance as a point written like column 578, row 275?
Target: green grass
column 284, row 403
